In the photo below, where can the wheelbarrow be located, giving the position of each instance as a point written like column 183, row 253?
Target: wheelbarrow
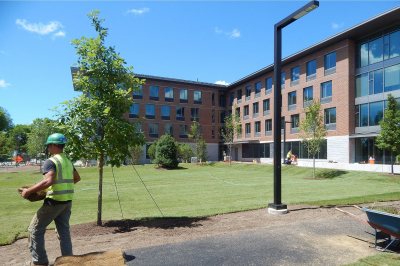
column 386, row 225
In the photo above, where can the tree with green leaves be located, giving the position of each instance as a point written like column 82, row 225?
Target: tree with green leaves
column 18, row 137
column 136, row 153
column 231, row 129
column 93, row 122
column 166, row 152
column 40, row 130
column 201, row 150
column 185, row 152
column 200, row 144
column 312, row 130
column 151, row 152
column 5, row 120
column 389, row 137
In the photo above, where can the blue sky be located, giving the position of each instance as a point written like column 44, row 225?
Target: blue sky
column 208, row 41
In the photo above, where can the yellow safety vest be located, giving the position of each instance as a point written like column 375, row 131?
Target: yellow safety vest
column 63, row 187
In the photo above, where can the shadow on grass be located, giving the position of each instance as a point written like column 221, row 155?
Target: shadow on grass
column 127, row 225
column 330, row 174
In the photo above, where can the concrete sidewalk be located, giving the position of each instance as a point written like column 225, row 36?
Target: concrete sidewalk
column 323, row 241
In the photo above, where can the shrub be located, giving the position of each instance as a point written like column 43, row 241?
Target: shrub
column 152, row 150
column 166, row 152
column 185, row 152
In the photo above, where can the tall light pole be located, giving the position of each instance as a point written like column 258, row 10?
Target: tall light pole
column 277, row 207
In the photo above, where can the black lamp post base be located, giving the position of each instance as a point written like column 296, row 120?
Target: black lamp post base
column 277, row 206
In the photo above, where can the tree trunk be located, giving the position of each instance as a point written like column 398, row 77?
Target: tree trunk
column 313, row 165
column 100, row 195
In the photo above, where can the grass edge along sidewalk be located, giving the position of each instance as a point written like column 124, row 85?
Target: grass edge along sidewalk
column 193, row 191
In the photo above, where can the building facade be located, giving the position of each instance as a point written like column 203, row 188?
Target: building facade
column 351, row 74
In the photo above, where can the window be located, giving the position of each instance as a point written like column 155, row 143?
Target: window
column 375, row 113
column 376, row 81
column 295, row 75
column 256, row 150
column 247, row 130
column 153, row 130
column 307, row 95
column 222, row 117
column 326, row 91
column 394, row 44
column 268, row 126
column 363, row 55
column 246, row 112
column 165, row 112
column 266, row 106
column 375, row 51
column 183, row 131
column 134, row 110
column 268, row 85
column 283, row 78
column 231, row 98
column 248, row 92
column 292, row 100
column 213, row 116
column 257, row 128
column 180, row 113
column 222, row 100
column 197, row 97
column 194, row 112
column 257, row 88
column 169, row 94
column 150, row 111
column 237, row 112
column 154, row 93
column 213, row 99
column 330, row 118
column 239, row 96
column 169, row 129
column 255, row 109
column 311, row 70
column 362, row 85
column 392, row 78
column 330, row 63
column 183, row 97
column 138, row 93
column 294, row 122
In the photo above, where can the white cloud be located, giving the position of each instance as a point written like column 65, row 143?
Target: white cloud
column 222, row 82
column 139, row 11
column 4, row 84
column 336, row 26
column 235, row 33
column 42, row 29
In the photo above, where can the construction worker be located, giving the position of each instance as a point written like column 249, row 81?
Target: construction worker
column 59, row 179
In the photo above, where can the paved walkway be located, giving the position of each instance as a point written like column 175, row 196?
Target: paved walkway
column 323, row 241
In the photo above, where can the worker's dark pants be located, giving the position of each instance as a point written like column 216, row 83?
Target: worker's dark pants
column 60, row 214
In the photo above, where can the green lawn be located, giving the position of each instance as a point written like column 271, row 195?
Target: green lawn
column 192, row 191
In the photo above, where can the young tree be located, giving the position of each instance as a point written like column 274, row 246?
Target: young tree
column 312, row 130
column 389, row 137
column 185, row 152
column 40, row 130
column 201, row 146
column 152, row 150
column 201, row 150
column 136, row 152
column 166, row 152
column 231, row 129
column 94, row 122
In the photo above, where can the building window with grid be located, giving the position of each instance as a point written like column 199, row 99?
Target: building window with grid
column 311, row 70
column 183, row 131
column 283, row 79
column 153, row 130
column 294, row 75
column 247, row 130
column 165, row 112
column 194, row 112
column 169, row 129
column 150, row 111
column 294, row 123
column 231, row 98
column 326, row 92
column 257, row 89
column 154, row 93
column 268, row 127
column 237, row 112
column 330, row 118
column 239, row 96
column 255, row 110
column 330, row 63
column 197, row 97
column 246, row 112
column 257, row 128
column 183, row 96
column 266, row 106
column 138, row 93
column 308, row 96
column 248, row 92
column 392, row 78
column 292, row 98
column 180, row 113
column 169, row 94
column 134, row 110
column 268, row 85
column 369, row 83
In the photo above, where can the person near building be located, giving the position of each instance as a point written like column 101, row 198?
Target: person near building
column 59, row 177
